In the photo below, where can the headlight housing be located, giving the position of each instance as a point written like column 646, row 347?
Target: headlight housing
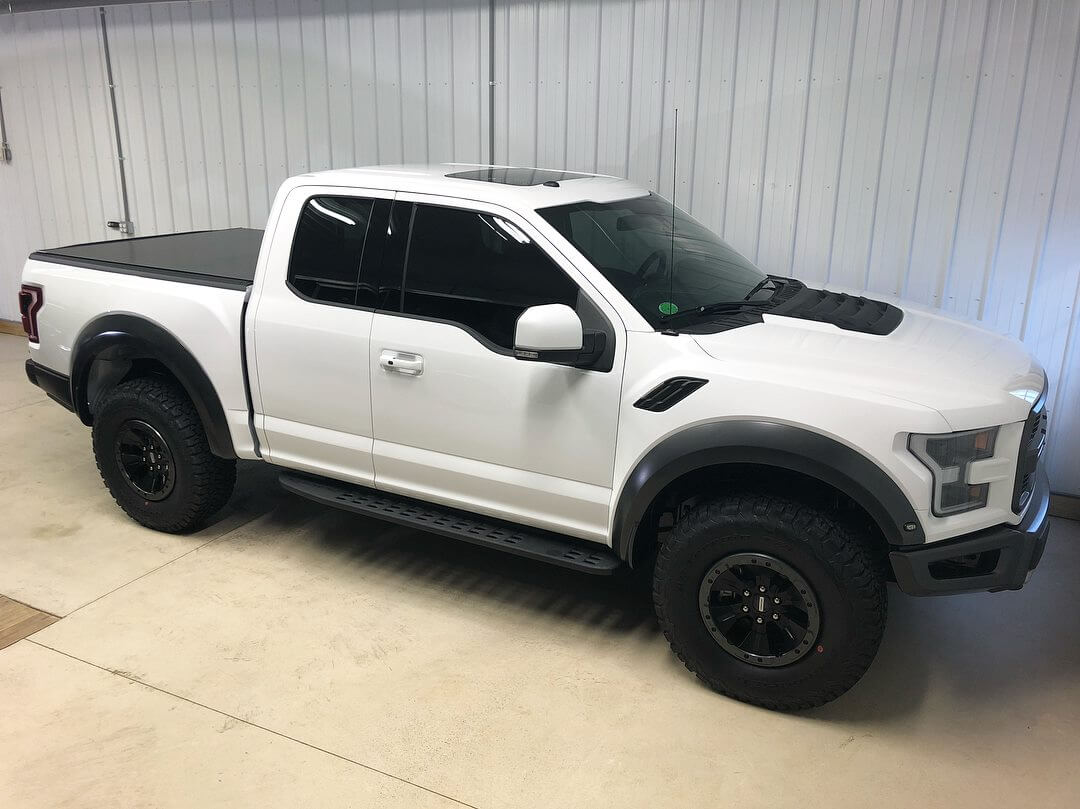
column 947, row 457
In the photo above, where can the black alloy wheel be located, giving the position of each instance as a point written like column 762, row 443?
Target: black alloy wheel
column 759, row 609
column 145, row 460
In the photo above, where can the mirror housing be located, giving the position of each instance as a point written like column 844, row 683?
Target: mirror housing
column 553, row 333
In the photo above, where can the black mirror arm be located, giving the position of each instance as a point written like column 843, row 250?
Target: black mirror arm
column 593, row 344
column 592, row 349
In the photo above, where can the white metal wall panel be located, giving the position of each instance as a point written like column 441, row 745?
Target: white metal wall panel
column 919, row 147
column 835, row 43
column 715, row 114
column 902, row 159
column 946, row 142
column 747, row 150
column 783, row 155
column 61, row 185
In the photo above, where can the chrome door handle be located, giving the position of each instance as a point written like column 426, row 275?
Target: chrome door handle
column 402, row 362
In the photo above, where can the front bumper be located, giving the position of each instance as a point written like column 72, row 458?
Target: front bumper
column 999, row 558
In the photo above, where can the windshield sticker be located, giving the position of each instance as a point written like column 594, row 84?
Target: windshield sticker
column 668, row 308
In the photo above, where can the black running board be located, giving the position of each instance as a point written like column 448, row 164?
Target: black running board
column 532, row 543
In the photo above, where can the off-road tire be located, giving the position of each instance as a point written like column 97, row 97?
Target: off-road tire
column 839, row 565
column 203, row 482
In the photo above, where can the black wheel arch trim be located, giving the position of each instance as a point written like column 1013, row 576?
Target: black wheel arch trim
column 133, row 338
column 763, row 443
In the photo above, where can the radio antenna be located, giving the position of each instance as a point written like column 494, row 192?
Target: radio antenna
column 674, row 187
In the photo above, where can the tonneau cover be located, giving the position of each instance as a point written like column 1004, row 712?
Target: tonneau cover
column 222, row 258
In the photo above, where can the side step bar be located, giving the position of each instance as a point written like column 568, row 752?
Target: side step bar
column 533, row 543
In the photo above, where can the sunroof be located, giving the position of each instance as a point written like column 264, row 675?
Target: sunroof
column 512, row 176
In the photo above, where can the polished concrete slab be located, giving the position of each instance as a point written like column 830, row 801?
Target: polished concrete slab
column 485, row 678
column 77, row 736
column 63, row 541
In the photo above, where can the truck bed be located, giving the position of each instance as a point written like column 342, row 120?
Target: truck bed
column 218, row 258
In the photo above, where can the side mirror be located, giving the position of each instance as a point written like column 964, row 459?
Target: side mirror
column 553, row 333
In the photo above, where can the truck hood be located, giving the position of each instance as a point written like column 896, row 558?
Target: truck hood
column 971, row 376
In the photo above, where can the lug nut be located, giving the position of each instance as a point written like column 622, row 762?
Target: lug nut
column 776, row 616
column 746, row 592
column 776, row 600
column 745, row 608
column 761, row 589
column 760, row 619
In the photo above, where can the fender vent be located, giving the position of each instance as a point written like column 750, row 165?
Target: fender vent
column 669, row 393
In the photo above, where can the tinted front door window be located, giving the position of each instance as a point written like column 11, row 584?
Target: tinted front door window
column 479, row 271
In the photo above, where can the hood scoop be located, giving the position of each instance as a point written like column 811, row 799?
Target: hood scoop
column 796, row 299
column 850, row 312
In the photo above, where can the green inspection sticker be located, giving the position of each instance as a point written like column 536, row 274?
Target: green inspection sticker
column 668, row 308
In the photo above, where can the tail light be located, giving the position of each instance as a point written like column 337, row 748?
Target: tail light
column 31, row 299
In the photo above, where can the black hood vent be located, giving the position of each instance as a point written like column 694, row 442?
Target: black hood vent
column 796, row 299
column 851, row 312
column 669, row 393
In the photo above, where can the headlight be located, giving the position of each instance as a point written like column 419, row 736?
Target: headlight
column 947, row 457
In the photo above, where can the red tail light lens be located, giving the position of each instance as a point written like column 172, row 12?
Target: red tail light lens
column 31, row 299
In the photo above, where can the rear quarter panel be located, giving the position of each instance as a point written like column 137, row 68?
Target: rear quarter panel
column 205, row 319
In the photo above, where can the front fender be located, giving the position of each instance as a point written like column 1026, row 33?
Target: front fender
column 764, row 443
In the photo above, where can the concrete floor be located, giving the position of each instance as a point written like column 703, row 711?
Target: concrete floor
column 290, row 655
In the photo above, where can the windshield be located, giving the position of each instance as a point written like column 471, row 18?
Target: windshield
column 630, row 242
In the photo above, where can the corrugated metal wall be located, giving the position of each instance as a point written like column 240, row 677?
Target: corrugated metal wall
column 925, row 148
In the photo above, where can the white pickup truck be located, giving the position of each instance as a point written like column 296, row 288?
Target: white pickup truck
column 565, row 367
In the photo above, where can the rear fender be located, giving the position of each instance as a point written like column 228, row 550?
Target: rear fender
column 125, row 338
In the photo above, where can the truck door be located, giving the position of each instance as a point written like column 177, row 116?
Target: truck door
column 457, row 419
column 311, row 325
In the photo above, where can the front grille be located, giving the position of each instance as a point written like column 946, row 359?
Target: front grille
column 1032, row 444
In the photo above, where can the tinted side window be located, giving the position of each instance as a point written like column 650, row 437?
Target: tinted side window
column 478, row 270
column 328, row 248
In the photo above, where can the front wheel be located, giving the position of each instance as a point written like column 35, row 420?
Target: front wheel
column 770, row 600
column 154, row 458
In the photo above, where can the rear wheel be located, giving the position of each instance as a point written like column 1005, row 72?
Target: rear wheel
column 154, row 458
column 769, row 600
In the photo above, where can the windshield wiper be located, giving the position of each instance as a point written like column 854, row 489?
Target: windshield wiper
column 744, row 305
column 714, row 308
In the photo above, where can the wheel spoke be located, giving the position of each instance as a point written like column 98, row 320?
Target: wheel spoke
column 730, row 581
column 726, row 615
column 140, row 479
column 793, row 629
column 759, row 643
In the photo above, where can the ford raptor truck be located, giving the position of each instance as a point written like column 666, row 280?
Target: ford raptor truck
column 565, row 367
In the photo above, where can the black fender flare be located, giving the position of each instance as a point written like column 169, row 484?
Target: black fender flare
column 130, row 337
column 764, row 443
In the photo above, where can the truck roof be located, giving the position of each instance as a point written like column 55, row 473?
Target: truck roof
column 515, row 187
